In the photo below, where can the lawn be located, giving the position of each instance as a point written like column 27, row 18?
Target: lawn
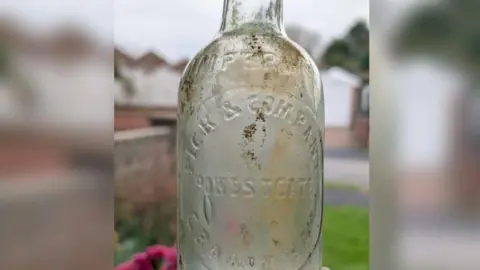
column 345, row 238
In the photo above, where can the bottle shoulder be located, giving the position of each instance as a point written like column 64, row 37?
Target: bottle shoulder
column 264, row 48
column 266, row 62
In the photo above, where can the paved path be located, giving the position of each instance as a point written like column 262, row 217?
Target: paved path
column 347, row 167
column 345, row 197
column 347, row 171
column 346, row 153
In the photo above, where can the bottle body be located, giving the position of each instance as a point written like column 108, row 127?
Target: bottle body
column 250, row 155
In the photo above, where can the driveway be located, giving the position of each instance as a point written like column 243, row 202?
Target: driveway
column 349, row 171
column 346, row 153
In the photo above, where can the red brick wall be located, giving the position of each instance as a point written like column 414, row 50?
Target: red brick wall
column 127, row 118
column 145, row 179
column 339, row 138
column 361, row 130
column 29, row 155
column 126, row 122
column 360, row 124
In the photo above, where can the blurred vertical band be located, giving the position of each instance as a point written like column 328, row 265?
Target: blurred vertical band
column 56, row 130
column 425, row 135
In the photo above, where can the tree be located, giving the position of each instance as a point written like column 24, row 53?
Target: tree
column 337, row 53
column 449, row 31
column 358, row 39
column 350, row 52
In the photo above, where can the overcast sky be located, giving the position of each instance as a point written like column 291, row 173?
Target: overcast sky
column 177, row 29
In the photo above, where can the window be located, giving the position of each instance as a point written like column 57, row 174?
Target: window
column 472, row 125
column 364, row 100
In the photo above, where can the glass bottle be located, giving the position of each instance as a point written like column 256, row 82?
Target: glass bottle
column 250, row 136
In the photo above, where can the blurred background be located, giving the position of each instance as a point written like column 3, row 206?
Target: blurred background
column 425, row 139
column 56, row 129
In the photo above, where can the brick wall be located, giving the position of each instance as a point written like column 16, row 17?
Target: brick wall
column 144, row 162
column 128, row 122
column 24, row 154
column 361, row 130
column 132, row 117
column 145, row 179
column 360, row 123
column 339, row 138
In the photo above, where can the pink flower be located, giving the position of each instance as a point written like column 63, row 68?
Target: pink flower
column 169, row 255
column 143, row 261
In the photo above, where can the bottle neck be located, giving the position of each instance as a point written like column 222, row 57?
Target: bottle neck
column 267, row 14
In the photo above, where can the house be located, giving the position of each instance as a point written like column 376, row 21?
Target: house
column 181, row 65
column 360, row 125
column 466, row 150
column 123, row 59
column 155, row 85
column 52, row 100
column 149, row 62
column 344, row 125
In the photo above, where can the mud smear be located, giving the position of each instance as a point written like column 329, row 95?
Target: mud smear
column 186, row 105
column 249, row 131
column 260, row 116
column 248, row 136
column 249, row 155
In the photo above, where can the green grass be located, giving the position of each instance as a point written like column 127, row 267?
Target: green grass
column 346, row 238
column 339, row 185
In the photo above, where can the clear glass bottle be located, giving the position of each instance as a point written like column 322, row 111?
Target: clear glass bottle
column 250, row 138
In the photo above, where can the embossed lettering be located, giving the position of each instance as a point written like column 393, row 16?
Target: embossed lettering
column 278, row 188
column 208, row 185
column 189, row 162
column 267, row 105
column 236, row 188
column 305, row 186
column 267, row 262
column 195, row 142
column 283, row 188
column 204, row 65
column 313, row 149
column 307, row 133
column 267, row 187
column 251, row 61
column 231, row 111
column 227, row 59
column 253, row 103
column 207, row 209
column 300, row 119
column 248, row 189
column 220, row 186
column 216, row 187
column 312, row 145
column 199, row 181
column 214, row 252
column 206, row 125
column 282, row 109
column 192, row 219
column 212, row 62
column 203, row 238
column 269, row 58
